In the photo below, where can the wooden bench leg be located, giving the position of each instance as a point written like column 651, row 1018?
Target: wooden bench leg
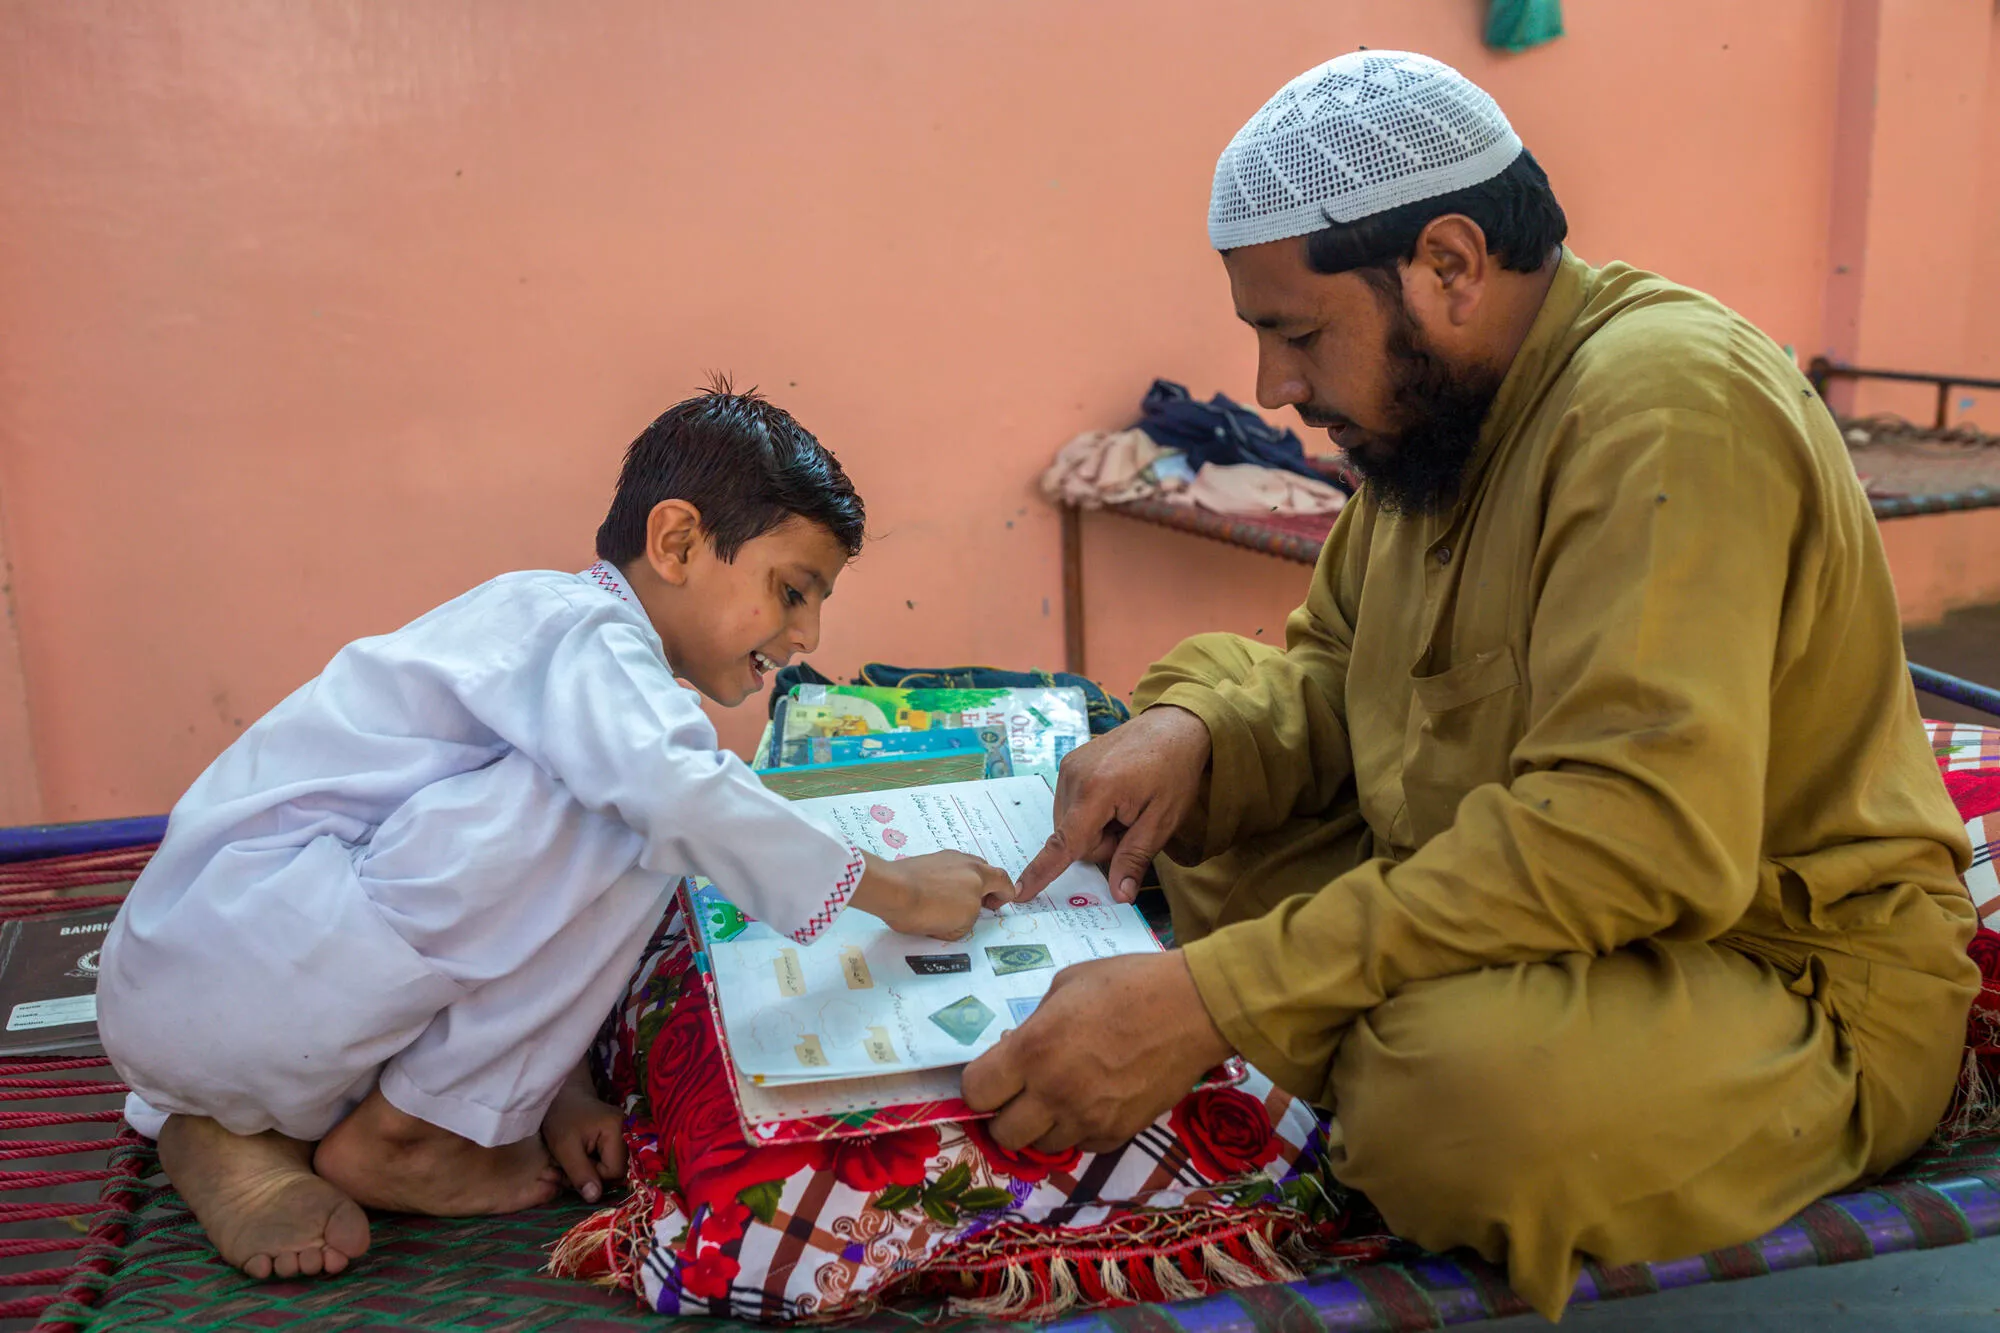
column 1072, row 575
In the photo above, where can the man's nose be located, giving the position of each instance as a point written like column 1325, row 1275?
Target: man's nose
column 1278, row 383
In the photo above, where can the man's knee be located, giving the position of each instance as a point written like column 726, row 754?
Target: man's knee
column 1549, row 1087
column 1453, row 1100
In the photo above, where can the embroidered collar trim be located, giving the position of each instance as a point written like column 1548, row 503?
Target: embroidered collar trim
column 607, row 577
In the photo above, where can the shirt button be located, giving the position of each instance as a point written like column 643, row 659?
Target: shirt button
column 1444, row 555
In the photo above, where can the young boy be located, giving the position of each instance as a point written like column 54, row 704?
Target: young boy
column 386, row 923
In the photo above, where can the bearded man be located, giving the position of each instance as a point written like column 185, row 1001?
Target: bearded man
column 1582, row 849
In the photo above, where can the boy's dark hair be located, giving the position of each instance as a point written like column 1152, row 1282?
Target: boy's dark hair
column 739, row 459
column 1516, row 209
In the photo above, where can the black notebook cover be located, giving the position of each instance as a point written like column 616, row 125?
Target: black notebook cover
column 48, row 981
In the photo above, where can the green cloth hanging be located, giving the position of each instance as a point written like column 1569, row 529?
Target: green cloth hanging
column 1516, row 25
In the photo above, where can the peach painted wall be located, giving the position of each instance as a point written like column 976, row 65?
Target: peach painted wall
column 1982, row 328
column 1943, row 562
column 1948, row 561
column 1926, row 186
column 313, row 314
column 1932, row 190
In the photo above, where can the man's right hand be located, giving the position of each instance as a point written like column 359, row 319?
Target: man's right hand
column 1121, row 796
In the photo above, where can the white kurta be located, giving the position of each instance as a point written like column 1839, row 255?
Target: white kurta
column 434, row 867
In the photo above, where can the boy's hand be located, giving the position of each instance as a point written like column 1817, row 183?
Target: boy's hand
column 937, row 895
column 585, row 1136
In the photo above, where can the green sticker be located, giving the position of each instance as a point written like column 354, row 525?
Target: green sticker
column 963, row 1020
column 1010, row 958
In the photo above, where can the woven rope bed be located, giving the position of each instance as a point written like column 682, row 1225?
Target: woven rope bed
column 135, row 1259
column 147, row 1266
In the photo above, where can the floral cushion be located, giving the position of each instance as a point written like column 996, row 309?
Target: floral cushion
column 1224, row 1190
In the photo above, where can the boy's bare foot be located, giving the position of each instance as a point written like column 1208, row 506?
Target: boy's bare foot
column 389, row 1160
column 260, row 1203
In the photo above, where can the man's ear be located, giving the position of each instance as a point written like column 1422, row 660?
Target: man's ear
column 1451, row 269
column 673, row 534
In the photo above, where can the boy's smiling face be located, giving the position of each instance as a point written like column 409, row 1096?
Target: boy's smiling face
column 726, row 624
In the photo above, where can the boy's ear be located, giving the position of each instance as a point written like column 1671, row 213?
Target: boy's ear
column 673, row 532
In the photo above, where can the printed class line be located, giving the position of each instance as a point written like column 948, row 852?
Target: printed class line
column 1001, row 815
column 971, row 830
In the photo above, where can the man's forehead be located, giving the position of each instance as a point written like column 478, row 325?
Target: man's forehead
column 1273, row 296
column 1273, row 287
column 1279, row 305
column 1272, row 318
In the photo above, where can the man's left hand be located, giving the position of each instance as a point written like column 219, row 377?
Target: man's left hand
column 1115, row 1043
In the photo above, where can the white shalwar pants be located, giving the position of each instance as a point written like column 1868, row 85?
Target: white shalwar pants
column 462, row 961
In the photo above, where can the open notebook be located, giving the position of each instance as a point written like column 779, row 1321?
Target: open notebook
column 866, row 1030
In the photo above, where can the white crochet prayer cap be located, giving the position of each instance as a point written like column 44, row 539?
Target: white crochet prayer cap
column 1363, row 133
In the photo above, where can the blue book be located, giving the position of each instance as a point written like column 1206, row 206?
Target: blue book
column 800, row 751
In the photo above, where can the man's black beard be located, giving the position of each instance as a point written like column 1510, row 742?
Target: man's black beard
column 1418, row 468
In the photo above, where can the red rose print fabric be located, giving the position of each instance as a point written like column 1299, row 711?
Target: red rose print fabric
column 1226, row 1132
column 777, row 1232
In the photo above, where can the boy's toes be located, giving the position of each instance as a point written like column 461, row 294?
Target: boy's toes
column 259, row 1201
column 346, row 1235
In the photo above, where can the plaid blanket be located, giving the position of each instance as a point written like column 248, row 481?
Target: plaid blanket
column 1226, row 1190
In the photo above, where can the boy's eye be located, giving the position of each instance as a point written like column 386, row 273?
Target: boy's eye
column 793, row 597
column 1303, row 341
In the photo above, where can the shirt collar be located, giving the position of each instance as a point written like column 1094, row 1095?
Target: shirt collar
column 606, row 575
column 1544, row 351
column 1542, row 356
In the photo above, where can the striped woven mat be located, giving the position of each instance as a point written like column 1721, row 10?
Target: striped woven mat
column 485, row 1274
